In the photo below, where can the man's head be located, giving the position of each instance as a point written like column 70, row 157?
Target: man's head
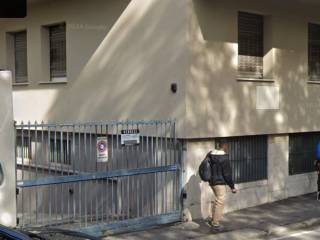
column 222, row 144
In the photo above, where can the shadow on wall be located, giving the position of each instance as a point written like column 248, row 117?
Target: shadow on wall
column 128, row 75
column 194, row 199
column 219, row 105
column 205, row 20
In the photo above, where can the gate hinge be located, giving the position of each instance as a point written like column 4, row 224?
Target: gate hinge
column 17, row 191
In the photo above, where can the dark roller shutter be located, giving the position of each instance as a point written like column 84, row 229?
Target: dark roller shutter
column 20, row 55
column 250, row 46
column 57, row 35
column 314, row 51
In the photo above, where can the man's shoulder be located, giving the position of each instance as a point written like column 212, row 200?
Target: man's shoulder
column 219, row 156
column 218, row 152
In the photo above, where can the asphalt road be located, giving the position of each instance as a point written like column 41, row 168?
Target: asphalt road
column 312, row 234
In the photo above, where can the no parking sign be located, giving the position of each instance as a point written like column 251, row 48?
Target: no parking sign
column 102, row 149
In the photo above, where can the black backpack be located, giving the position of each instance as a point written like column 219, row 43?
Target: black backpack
column 205, row 168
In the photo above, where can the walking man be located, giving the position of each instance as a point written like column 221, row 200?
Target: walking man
column 221, row 176
column 317, row 165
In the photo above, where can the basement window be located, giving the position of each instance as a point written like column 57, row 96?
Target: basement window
column 302, row 152
column 248, row 157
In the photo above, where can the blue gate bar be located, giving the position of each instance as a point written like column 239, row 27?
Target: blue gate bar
column 94, row 176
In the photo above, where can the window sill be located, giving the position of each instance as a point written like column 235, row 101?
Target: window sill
column 21, row 84
column 267, row 80
column 54, row 82
column 313, row 81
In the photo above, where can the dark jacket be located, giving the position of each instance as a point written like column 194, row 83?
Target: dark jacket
column 221, row 170
column 317, row 166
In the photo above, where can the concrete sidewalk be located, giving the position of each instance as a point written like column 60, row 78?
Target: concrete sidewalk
column 261, row 222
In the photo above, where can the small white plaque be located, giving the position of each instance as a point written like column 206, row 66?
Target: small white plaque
column 130, row 137
column 267, row 97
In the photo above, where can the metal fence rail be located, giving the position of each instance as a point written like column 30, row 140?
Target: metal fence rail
column 62, row 179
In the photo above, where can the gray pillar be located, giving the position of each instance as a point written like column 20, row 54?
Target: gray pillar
column 7, row 159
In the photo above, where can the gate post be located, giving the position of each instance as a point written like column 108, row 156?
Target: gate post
column 7, row 156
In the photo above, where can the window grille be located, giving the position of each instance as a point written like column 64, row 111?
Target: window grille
column 248, row 158
column 302, row 152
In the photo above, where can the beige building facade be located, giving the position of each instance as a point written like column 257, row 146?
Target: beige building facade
column 122, row 58
column 7, row 165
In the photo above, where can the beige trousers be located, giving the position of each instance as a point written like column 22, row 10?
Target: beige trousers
column 217, row 205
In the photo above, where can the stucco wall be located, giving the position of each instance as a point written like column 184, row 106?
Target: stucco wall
column 8, row 186
column 218, row 104
column 279, row 184
column 122, row 57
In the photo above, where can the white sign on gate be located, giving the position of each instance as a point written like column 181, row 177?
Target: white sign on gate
column 130, row 137
column 102, row 149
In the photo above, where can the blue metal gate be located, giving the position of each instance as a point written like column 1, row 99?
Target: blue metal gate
column 98, row 177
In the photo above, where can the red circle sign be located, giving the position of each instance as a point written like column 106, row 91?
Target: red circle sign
column 102, row 146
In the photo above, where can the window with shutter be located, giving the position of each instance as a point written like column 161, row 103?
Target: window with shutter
column 250, row 45
column 57, row 35
column 20, row 56
column 314, row 51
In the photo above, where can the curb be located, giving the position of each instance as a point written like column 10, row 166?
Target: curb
column 282, row 230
